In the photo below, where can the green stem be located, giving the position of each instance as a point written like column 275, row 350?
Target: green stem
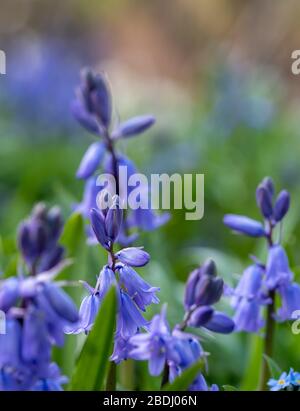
column 268, row 344
column 111, row 381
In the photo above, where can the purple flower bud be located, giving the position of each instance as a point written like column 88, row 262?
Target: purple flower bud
column 134, row 257
column 9, row 293
column 220, row 323
column 134, row 126
column 208, row 290
column 189, row 297
column 264, row 201
column 269, row 185
column 60, row 302
column 244, row 225
column 91, row 160
column 200, row 316
column 282, row 205
column 54, row 223
column 84, row 118
column 96, row 96
column 113, row 220
column 98, row 225
column 209, row 267
column 51, row 259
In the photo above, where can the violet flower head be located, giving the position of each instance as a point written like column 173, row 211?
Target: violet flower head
column 93, row 110
column 37, row 309
column 260, row 283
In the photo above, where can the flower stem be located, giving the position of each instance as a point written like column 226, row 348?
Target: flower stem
column 111, row 381
column 268, row 344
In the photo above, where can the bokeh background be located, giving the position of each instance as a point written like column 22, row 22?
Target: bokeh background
column 217, row 75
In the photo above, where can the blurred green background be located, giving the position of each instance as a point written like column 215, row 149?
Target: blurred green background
column 216, row 74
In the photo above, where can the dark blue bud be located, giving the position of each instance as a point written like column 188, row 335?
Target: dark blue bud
column 134, row 126
column 24, row 241
column 200, row 316
column 220, row 323
column 209, row 267
column 9, row 293
column 98, row 225
column 282, row 205
column 208, row 290
column 55, row 223
column 264, row 201
column 96, row 96
column 189, row 297
column 113, row 220
column 91, row 160
column 60, row 302
column 134, row 257
column 84, row 118
column 51, row 258
column 269, row 185
column 244, row 225
column 39, row 211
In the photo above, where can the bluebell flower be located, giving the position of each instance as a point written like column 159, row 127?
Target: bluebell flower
column 51, row 381
column 247, row 300
column 130, row 320
column 277, row 268
column 290, row 301
column 154, row 346
column 122, row 348
column 139, row 290
column 9, row 293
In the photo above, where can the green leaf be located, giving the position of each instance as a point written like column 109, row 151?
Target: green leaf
column 92, row 364
column 229, row 388
column 184, row 380
column 71, row 236
column 253, row 362
column 274, row 368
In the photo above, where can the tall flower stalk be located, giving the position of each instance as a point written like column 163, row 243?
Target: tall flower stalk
column 261, row 283
column 94, row 111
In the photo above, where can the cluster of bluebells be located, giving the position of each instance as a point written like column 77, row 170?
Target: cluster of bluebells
column 260, row 282
column 286, row 382
column 94, row 111
column 133, row 293
column 37, row 310
column 175, row 350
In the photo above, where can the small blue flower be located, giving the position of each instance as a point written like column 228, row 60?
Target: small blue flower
column 280, row 384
